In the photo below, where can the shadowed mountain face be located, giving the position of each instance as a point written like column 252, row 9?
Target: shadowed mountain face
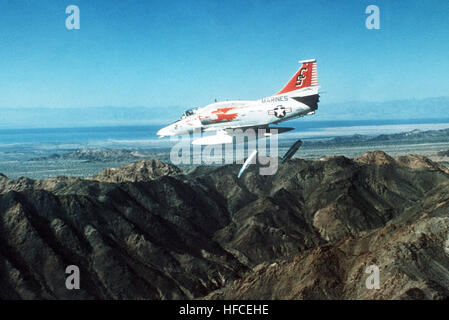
column 149, row 231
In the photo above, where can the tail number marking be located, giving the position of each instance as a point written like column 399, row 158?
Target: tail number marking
column 301, row 76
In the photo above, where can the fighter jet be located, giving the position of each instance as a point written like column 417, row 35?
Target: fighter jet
column 298, row 98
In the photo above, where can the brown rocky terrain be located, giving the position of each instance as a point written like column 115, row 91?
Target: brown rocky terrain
column 150, row 231
column 443, row 153
column 143, row 170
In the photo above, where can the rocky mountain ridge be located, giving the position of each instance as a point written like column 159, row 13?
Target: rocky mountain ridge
column 150, row 231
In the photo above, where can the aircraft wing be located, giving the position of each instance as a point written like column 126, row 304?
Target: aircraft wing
column 227, row 136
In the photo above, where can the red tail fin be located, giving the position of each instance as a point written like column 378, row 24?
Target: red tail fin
column 305, row 77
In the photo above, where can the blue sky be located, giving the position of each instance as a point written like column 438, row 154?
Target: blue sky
column 187, row 53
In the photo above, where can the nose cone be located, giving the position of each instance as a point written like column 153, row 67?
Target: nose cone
column 164, row 132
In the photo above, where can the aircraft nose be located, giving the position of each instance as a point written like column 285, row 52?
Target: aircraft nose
column 164, row 132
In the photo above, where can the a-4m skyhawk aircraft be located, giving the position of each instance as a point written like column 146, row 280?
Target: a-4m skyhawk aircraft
column 298, row 98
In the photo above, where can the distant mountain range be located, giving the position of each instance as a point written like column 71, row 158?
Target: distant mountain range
column 90, row 116
column 430, row 108
column 101, row 155
column 106, row 155
column 395, row 138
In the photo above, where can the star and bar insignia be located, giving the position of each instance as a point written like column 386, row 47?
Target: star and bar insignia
column 280, row 111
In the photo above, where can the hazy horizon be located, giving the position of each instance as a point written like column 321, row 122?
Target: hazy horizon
column 46, row 117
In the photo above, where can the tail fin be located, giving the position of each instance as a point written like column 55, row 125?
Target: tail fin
column 305, row 77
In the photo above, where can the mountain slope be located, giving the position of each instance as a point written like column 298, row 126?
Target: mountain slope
column 149, row 231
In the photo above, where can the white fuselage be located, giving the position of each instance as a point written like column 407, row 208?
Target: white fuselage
column 237, row 114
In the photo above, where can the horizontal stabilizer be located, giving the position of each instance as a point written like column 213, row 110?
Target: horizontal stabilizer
column 279, row 129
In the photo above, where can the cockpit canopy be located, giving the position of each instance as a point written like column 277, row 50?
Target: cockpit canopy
column 189, row 112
